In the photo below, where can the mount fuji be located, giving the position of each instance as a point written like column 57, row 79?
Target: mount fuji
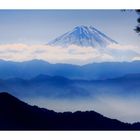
column 83, row 36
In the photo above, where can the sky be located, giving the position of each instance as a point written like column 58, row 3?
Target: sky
column 42, row 26
column 25, row 33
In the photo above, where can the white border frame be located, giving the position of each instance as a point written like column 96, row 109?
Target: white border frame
column 69, row 4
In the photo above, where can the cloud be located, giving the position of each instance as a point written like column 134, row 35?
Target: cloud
column 123, row 47
column 72, row 54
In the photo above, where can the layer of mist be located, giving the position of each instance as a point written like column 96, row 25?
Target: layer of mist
column 123, row 109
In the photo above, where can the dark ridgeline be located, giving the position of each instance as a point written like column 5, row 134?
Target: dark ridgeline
column 17, row 115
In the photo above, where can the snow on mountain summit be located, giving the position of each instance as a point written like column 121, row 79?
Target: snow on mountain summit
column 83, row 36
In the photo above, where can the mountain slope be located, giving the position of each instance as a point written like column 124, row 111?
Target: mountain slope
column 83, row 36
column 44, row 86
column 17, row 115
column 57, row 87
column 94, row 71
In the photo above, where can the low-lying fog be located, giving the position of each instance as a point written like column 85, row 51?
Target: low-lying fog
column 123, row 109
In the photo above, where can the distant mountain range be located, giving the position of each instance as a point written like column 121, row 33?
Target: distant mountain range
column 39, row 79
column 83, row 36
column 94, row 71
column 17, row 115
column 57, row 87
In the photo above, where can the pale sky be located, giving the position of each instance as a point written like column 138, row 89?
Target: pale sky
column 41, row 26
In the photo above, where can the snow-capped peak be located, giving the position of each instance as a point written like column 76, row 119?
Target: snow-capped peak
column 83, row 36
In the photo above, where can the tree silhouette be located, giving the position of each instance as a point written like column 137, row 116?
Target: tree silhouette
column 137, row 29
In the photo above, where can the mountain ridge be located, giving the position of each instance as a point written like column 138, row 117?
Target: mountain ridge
column 17, row 115
column 58, row 87
column 93, row 71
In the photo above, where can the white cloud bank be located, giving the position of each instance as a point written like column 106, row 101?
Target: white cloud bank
column 72, row 54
